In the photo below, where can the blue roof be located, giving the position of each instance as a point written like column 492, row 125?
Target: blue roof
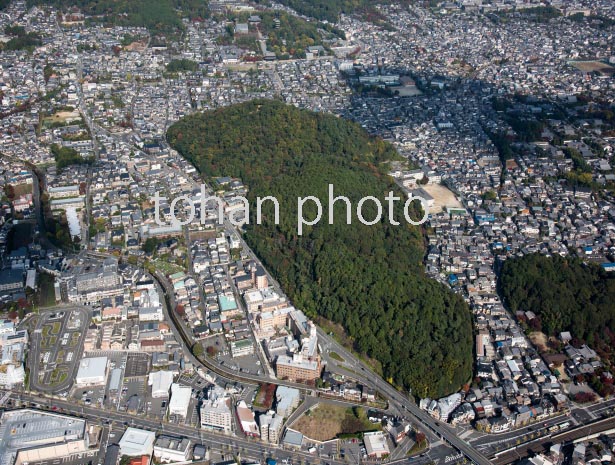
column 227, row 303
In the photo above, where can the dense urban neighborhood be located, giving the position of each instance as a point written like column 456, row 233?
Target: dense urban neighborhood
column 148, row 315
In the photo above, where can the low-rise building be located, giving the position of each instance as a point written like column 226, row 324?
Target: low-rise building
column 169, row 449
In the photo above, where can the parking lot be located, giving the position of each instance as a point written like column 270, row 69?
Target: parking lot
column 249, row 364
column 137, row 365
column 56, row 349
column 133, row 397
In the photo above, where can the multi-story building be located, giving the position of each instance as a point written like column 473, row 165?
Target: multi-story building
column 216, row 413
column 287, row 399
column 245, row 417
column 87, row 285
column 242, row 347
column 304, row 365
column 27, row 435
column 168, row 449
column 271, row 427
column 297, row 368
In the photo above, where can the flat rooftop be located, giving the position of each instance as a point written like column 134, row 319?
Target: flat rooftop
column 21, row 429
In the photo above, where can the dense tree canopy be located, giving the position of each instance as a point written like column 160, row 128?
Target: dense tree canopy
column 330, row 10
column 368, row 278
column 566, row 294
column 20, row 40
column 182, row 64
column 66, row 156
column 159, row 16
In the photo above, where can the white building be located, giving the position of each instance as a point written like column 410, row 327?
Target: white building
column 376, row 444
column 92, row 371
column 31, row 436
column 271, row 427
column 169, row 449
column 137, row 442
column 216, row 413
column 287, row 399
column 180, row 400
column 12, row 375
column 150, row 314
column 160, row 381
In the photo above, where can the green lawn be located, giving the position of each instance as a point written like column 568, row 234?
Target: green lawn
column 166, row 267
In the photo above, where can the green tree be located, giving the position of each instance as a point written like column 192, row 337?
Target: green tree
column 368, row 278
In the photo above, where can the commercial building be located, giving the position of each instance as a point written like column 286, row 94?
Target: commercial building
column 33, row 436
column 269, row 320
column 92, row 371
column 150, row 314
column 305, row 364
column 11, row 281
column 376, row 444
column 169, row 449
column 12, row 375
column 160, row 382
column 180, row 400
column 245, row 416
column 137, row 442
column 216, row 413
column 287, row 399
column 62, row 192
column 242, row 347
column 90, row 284
column 297, row 368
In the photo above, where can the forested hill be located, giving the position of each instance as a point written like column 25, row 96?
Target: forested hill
column 567, row 295
column 330, row 10
column 368, row 278
column 159, row 16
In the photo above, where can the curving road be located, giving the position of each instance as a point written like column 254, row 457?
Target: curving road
column 36, row 350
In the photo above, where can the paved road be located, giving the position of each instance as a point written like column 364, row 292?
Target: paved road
column 364, row 374
column 36, row 351
column 235, row 444
column 361, row 372
column 538, row 445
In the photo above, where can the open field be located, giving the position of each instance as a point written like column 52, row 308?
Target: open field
column 443, row 197
column 166, row 267
column 63, row 117
column 593, row 66
column 325, row 421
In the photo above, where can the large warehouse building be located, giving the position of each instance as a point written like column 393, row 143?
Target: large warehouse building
column 180, row 400
column 92, row 371
column 28, row 436
column 160, row 381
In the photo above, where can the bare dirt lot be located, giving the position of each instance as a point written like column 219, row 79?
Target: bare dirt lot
column 325, row 421
column 63, row 117
column 539, row 340
column 443, row 197
column 591, row 66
